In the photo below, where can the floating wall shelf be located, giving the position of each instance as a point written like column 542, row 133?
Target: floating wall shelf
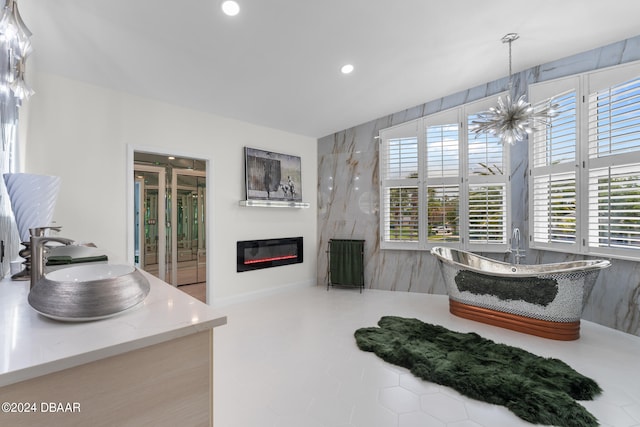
column 273, row 204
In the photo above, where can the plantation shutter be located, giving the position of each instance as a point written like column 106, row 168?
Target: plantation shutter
column 443, row 177
column 487, row 187
column 439, row 188
column 553, row 161
column 614, row 163
column 399, row 193
column 487, row 215
column 554, row 206
column 614, row 207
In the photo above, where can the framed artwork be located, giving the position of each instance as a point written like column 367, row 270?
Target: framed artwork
column 272, row 176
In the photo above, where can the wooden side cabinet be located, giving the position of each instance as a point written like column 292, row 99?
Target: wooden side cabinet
column 166, row 384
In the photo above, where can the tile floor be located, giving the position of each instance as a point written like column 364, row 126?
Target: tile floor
column 290, row 360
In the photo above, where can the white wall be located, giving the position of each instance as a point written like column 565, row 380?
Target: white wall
column 83, row 133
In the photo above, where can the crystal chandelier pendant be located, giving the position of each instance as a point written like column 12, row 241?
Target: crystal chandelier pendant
column 19, row 86
column 11, row 23
column 15, row 38
column 513, row 119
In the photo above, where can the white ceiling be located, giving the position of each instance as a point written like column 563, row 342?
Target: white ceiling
column 277, row 63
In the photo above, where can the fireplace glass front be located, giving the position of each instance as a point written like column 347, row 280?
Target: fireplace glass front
column 257, row 254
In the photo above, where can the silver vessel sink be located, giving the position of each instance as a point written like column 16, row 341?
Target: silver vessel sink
column 88, row 292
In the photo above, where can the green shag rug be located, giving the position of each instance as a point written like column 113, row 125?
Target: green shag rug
column 536, row 389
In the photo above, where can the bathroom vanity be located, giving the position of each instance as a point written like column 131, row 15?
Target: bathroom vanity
column 150, row 365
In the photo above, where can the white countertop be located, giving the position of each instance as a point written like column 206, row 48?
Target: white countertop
column 32, row 345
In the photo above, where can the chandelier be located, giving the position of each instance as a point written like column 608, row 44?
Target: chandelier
column 15, row 40
column 512, row 120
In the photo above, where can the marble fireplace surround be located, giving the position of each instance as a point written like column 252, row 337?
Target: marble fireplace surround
column 348, row 198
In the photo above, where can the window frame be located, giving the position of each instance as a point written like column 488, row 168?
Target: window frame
column 417, row 128
column 503, row 179
column 585, row 84
column 405, row 130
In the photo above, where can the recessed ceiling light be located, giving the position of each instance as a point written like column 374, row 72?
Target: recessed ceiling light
column 230, row 8
column 347, row 69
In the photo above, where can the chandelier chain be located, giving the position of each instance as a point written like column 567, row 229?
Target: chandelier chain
column 510, row 72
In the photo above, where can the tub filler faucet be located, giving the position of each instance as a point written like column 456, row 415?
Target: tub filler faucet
column 515, row 249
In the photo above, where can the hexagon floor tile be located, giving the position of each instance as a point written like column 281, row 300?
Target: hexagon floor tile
column 290, row 359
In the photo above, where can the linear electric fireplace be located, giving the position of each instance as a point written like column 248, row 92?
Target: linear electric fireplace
column 257, row 254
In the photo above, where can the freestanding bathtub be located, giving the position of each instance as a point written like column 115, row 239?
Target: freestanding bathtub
column 544, row 300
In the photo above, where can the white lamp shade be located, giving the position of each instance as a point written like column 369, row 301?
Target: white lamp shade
column 33, row 199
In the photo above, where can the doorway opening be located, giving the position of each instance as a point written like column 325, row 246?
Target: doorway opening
column 170, row 210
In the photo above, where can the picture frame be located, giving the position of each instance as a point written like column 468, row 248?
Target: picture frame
column 272, row 176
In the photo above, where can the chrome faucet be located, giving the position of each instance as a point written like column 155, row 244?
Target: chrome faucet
column 38, row 241
column 515, row 242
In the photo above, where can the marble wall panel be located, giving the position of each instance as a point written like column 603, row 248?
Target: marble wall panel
column 348, row 199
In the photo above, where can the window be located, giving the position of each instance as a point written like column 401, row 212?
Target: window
column 553, row 163
column 443, row 185
column 487, row 189
column 585, row 169
column 442, row 177
column 399, row 171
